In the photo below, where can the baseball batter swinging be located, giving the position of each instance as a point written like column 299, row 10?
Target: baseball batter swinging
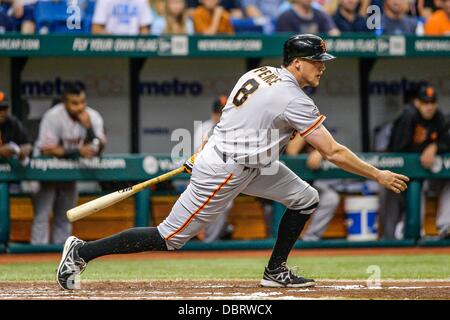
column 264, row 101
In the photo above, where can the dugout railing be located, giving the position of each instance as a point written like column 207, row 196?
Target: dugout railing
column 141, row 167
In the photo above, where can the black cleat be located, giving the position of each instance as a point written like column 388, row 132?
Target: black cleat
column 284, row 277
column 71, row 265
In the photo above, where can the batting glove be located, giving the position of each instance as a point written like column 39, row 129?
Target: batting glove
column 189, row 164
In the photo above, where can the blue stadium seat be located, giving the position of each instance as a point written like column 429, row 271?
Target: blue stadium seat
column 51, row 16
column 88, row 14
column 246, row 25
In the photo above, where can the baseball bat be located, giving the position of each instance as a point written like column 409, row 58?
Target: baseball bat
column 88, row 208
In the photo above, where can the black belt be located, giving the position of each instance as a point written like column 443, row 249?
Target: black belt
column 225, row 156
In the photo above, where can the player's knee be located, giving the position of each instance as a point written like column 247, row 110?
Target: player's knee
column 173, row 244
column 307, row 202
column 311, row 200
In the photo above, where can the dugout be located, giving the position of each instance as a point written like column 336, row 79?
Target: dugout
column 136, row 82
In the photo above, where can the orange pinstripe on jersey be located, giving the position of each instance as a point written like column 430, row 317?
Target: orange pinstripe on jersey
column 313, row 126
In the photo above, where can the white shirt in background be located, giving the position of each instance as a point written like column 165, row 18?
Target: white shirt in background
column 122, row 17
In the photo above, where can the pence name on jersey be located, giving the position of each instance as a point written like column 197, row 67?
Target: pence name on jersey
column 261, row 114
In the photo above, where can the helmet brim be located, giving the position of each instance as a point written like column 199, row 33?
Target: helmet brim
column 320, row 57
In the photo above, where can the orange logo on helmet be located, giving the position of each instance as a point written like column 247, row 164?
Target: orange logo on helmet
column 223, row 100
column 430, row 92
column 323, row 46
column 2, row 96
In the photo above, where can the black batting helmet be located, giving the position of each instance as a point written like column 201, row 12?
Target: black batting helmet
column 306, row 46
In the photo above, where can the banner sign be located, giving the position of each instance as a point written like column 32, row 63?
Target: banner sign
column 197, row 46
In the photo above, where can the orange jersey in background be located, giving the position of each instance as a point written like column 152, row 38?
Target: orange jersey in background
column 203, row 19
column 438, row 24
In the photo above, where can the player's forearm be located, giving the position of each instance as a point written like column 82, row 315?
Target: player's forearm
column 53, row 151
column 6, row 152
column 25, row 150
column 214, row 27
column 348, row 161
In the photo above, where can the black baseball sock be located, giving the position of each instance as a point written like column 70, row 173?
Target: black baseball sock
column 291, row 225
column 129, row 241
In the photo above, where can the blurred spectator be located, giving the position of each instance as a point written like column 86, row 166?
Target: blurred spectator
column 395, row 19
column 21, row 13
column 347, row 18
column 439, row 22
column 175, row 19
column 232, row 6
column 303, row 18
column 67, row 130
column 13, row 137
column 265, row 12
column 364, row 4
column 329, row 198
column 157, row 8
column 210, row 18
column 122, row 17
column 328, row 6
column 220, row 229
column 263, row 8
column 6, row 23
column 425, row 8
column 421, row 129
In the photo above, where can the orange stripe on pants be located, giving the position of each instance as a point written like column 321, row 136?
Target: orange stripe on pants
column 200, row 208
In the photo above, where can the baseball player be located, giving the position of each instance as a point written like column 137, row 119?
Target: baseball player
column 67, row 130
column 265, row 108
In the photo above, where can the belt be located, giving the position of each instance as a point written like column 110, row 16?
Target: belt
column 225, row 156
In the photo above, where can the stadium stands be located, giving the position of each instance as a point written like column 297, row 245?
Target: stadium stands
column 75, row 16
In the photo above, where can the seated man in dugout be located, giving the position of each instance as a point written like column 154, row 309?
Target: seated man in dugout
column 14, row 141
column 421, row 128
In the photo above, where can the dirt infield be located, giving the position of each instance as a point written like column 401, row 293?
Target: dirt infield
column 226, row 290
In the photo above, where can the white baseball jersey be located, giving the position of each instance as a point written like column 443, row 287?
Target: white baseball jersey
column 122, row 17
column 264, row 110
column 58, row 128
column 202, row 133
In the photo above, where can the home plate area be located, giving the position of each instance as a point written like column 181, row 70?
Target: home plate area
column 227, row 290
